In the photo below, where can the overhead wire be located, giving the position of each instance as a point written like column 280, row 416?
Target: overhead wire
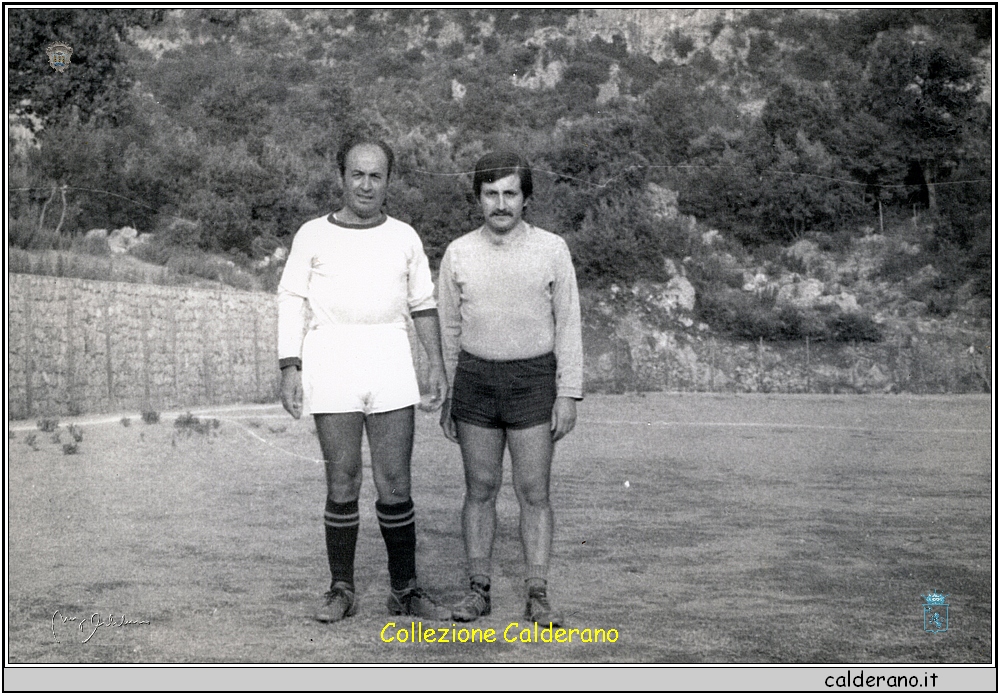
column 633, row 167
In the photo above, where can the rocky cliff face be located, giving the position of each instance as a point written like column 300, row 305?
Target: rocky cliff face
column 630, row 346
column 656, row 33
column 649, row 336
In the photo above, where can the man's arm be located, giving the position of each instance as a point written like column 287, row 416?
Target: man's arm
column 428, row 331
column 292, row 291
column 449, row 297
column 568, row 348
column 451, row 334
column 423, row 311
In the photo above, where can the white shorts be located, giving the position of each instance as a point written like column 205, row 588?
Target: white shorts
column 358, row 368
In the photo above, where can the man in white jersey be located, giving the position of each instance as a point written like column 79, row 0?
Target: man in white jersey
column 350, row 281
column 510, row 321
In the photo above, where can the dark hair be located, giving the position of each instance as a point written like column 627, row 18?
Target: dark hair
column 354, row 140
column 497, row 165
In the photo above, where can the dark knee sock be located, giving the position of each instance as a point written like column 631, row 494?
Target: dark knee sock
column 341, row 521
column 400, row 534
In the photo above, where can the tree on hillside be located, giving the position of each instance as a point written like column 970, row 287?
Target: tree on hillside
column 95, row 86
column 926, row 91
column 679, row 113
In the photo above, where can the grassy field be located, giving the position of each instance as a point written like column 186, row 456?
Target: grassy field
column 703, row 528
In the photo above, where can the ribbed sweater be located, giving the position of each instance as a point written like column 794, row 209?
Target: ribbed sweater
column 512, row 297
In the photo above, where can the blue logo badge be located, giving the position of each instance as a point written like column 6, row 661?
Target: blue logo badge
column 935, row 612
column 59, row 55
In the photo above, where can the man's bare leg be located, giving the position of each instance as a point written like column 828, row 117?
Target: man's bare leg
column 531, row 462
column 390, row 439
column 482, row 456
column 340, row 440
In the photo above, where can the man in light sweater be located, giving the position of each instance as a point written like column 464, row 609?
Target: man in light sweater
column 360, row 274
column 510, row 327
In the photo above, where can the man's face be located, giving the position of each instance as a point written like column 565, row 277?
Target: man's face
column 502, row 203
column 366, row 176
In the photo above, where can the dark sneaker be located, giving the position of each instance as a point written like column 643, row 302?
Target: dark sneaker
column 415, row 601
column 540, row 611
column 474, row 604
column 338, row 603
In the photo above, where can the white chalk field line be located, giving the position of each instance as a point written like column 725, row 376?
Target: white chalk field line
column 780, row 425
column 278, row 448
column 115, row 419
column 235, row 413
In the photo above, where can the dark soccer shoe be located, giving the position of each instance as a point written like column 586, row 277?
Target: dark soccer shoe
column 415, row 602
column 540, row 611
column 338, row 603
column 474, row 604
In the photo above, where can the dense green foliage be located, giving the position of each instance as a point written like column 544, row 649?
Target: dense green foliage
column 755, row 316
column 217, row 129
column 97, row 88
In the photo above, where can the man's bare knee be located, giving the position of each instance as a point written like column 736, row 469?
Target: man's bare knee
column 481, row 491
column 396, row 480
column 393, row 488
column 390, row 437
column 343, row 487
column 533, row 493
column 482, row 483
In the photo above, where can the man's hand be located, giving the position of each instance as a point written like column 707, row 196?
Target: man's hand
column 439, row 389
column 429, row 332
column 448, row 422
column 291, row 391
column 563, row 417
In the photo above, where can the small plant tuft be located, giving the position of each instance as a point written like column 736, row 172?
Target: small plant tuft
column 31, row 440
column 76, row 433
column 188, row 419
column 125, row 422
column 189, row 423
column 150, row 417
column 70, row 448
column 48, row 424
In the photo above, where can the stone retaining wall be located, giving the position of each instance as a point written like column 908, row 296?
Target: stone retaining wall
column 78, row 346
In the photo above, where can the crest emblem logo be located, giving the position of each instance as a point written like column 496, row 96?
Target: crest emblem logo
column 59, row 54
column 935, row 612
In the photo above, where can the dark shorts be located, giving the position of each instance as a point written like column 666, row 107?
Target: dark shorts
column 513, row 394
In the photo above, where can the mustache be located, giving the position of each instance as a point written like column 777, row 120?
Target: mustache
column 502, row 214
